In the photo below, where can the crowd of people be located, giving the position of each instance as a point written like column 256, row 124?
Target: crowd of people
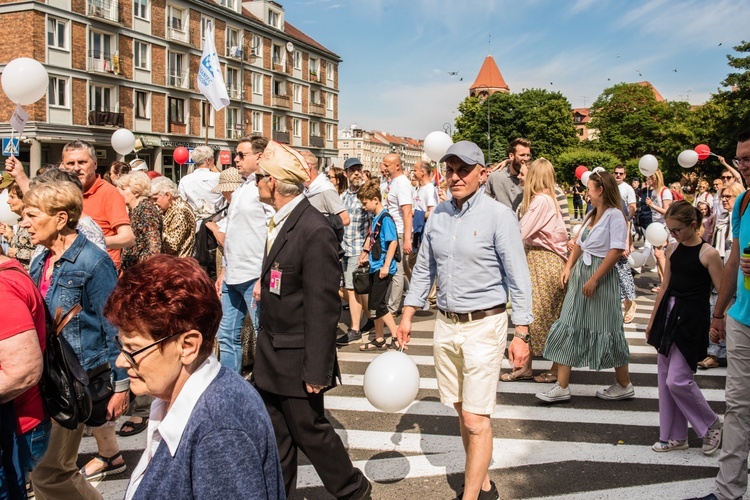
column 164, row 327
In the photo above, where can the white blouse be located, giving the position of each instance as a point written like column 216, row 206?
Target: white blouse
column 610, row 232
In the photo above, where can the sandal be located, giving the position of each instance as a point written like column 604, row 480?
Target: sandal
column 709, row 362
column 512, row 377
column 131, row 428
column 546, row 378
column 656, row 289
column 630, row 315
column 109, row 469
column 374, row 345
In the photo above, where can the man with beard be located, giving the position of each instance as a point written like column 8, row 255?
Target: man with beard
column 504, row 184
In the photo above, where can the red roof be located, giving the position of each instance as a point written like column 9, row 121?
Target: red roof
column 489, row 76
column 584, row 113
column 657, row 95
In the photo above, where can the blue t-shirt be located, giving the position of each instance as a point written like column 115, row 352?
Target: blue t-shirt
column 387, row 234
column 740, row 311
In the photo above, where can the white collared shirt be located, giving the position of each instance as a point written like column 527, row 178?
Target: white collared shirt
column 169, row 426
column 196, row 188
column 610, row 232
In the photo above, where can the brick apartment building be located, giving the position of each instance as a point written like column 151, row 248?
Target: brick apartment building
column 133, row 64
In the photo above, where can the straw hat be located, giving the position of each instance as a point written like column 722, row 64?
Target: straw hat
column 229, row 180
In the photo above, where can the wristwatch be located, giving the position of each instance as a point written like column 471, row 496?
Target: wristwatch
column 526, row 337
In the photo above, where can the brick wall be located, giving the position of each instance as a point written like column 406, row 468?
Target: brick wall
column 158, row 65
column 158, row 18
column 125, row 49
column 158, row 112
column 126, row 105
column 26, row 39
column 267, row 90
column 220, row 124
column 78, row 6
column 79, row 40
column 79, row 100
column 195, row 29
column 125, row 8
column 195, row 117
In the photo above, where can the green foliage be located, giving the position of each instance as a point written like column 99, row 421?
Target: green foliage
column 566, row 162
column 541, row 116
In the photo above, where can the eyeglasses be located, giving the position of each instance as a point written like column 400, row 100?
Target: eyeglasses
column 727, row 177
column 130, row 356
column 676, row 231
column 745, row 160
column 260, row 177
column 241, row 154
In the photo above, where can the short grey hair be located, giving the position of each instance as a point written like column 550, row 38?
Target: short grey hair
column 289, row 188
column 163, row 185
column 201, row 154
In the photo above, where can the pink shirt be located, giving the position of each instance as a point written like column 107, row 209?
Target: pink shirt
column 543, row 226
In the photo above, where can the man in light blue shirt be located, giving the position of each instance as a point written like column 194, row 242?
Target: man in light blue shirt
column 473, row 245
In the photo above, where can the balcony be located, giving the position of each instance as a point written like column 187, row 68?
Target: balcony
column 234, row 51
column 177, row 32
column 234, row 93
column 317, row 109
column 314, row 78
column 316, row 141
column 280, row 136
column 104, row 9
column 282, row 101
column 178, row 79
column 104, row 62
column 106, row 118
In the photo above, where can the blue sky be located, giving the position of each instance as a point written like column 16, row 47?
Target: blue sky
column 397, row 54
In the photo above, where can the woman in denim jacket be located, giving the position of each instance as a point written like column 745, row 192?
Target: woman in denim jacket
column 71, row 271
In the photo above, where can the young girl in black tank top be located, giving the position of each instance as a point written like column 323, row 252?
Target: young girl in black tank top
column 678, row 329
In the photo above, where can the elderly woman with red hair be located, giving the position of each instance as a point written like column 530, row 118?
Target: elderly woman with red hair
column 209, row 435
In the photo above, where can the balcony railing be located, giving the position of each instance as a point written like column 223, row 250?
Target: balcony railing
column 234, row 93
column 178, row 33
column 317, row 141
column 104, row 9
column 314, row 77
column 280, row 136
column 282, row 101
column 104, row 62
column 234, row 51
column 104, row 117
column 317, row 109
column 177, row 79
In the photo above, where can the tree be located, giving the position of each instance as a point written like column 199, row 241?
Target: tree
column 543, row 117
column 567, row 162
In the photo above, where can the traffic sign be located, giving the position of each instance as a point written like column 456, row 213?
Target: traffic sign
column 10, row 146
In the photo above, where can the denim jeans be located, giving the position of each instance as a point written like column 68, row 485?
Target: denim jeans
column 236, row 302
column 20, row 454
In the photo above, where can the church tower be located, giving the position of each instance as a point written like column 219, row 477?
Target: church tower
column 489, row 80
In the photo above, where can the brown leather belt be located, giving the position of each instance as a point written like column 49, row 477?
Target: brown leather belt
column 474, row 315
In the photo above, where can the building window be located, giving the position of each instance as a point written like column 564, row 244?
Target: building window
column 257, row 84
column 329, row 102
column 279, row 87
column 141, row 55
column 58, row 91
column 176, row 110
column 278, row 54
column 257, row 46
column 329, row 132
column 228, row 4
column 233, row 118
column 177, row 24
column 297, row 127
column 297, row 93
column 345, row 145
column 314, row 68
column 274, row 19
column 205, row 23
column 279, row 123
column 100, row 52
column 315, row 129
column 101, row 98
column 233, row 83
column 140, row 9
column 315, row 97
column 142, row 104
column 177, row 75
column 297, row 59
column 329, row 72
column 257, row 121
column 233, row 48
column 57, row 33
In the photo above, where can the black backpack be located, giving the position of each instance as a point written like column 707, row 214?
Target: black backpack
column 375, row 248
column 206, row 245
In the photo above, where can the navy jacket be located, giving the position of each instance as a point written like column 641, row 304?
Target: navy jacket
column 228, row 449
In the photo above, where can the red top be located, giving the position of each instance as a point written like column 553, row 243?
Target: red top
column 104, row 203
column 23, row 310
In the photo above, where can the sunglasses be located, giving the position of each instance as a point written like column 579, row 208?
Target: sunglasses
column 727, row 177
column 130, row 355
column 241, row 155
column 260, row 177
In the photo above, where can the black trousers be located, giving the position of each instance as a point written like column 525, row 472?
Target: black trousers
column 300, row 424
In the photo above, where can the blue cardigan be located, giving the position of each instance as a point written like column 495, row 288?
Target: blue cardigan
column 228, row 449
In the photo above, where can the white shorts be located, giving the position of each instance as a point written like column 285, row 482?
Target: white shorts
column 467, row 361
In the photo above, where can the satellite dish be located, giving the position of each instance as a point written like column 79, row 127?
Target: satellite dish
column 289, row 46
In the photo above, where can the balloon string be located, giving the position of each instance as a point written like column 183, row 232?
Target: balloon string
column 12, row 149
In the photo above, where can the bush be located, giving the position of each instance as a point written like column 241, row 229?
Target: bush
column 566, row 162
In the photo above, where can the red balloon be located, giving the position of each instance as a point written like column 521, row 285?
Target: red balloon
column 580, row 169
column 181, row 155
column 703, row 151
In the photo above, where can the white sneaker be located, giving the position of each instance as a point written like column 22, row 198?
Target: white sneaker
column 712, row 439
column 554, row 395
column 616, row 391
column 670, row 445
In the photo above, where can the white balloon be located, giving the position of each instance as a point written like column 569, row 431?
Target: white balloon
column 391, row 381
column 687, row 158
column 656, row 234
column 123, row 141
column 585, row 178
column 599, row 169
column 636, row 259
column 25, row 80
column 6, row 216
column 648, row 164
column 436, row 144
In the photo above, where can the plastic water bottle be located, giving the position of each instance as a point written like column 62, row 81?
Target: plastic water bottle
column 746, row 255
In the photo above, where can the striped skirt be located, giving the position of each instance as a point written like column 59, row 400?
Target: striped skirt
column 547, row 293
column 590, row 330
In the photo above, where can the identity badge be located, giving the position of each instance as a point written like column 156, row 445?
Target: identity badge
column 275, row 284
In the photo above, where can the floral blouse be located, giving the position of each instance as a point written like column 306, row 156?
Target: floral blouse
column 179, row 229
column 21, row 243
column 146, row 222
